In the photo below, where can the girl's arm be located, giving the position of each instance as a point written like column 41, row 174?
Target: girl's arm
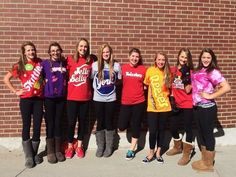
column 224, row 88
column 7, row 80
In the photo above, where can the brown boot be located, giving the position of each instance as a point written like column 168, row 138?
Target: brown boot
column 60, row 157
column 207, row 163
column 198, row 162
column 187, row 149
column 51, row 150
column 177, row 148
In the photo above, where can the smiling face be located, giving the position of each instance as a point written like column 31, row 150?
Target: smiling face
column 55, row 53
column 106, row 54
column 160, row 61
column 82, row 48
column 183, row 58
column 206, row 59
column 134, row 59
column 29, row 52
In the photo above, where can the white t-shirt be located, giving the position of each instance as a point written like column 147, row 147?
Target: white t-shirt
column 105, row 90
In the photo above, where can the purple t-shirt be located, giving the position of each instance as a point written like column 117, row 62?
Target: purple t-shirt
column 204, row 82
column 54, row 73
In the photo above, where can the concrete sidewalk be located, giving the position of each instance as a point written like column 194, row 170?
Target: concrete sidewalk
column 12, row 165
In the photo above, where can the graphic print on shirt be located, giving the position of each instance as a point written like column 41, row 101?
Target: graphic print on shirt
column 131, row 74
column 56, row 80
column 177, row 83
column 107, row 86
column 157, row 96
column 35, row 79
column 80, row 75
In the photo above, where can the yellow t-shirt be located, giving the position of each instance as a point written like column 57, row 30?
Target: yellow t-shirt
column 158, row 93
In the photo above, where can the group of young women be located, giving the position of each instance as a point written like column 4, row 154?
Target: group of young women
column 179, row 93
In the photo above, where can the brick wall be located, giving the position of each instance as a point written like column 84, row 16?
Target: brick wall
column 151, row 25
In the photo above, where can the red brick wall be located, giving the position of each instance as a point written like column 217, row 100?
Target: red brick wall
column 151, row 25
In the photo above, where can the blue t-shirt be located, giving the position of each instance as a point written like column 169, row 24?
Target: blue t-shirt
column 54, row 73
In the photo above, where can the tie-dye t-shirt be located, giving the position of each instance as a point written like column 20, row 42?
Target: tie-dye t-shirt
column 204, row 82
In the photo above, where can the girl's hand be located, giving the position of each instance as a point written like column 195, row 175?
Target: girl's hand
column 206, row 95
column 20, row 92
column 188, row 89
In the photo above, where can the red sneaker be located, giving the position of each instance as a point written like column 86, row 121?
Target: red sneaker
column 79, row 152
column 69, row 152
column 75, row 143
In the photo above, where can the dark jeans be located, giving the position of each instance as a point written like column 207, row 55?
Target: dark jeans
column 184, row 116
column 206, row 118
column 156, row 125
column 54, row 109
column 105, row 113
column 132, row 114
column 28, row 107
column 76, row 110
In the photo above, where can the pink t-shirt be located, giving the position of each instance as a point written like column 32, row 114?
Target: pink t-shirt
column 132, row 91
column 204, row 82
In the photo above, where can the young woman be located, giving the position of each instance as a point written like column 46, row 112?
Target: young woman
column 181, row 93
column 158, row 80
column 28, row 69
column 204, row 81
column 79, row 95
column 54, row 72
column 105, row 73
column 133, row 99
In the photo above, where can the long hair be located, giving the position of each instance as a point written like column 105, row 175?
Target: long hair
column 101, row 62
column 23, row 60
column 136, row 50
column 166, row 69
column 213, row 65
column 76, row 54
column 189, row 57
column 61, row 59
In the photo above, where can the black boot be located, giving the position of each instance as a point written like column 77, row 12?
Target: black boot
column 37, row 158
column 60, row 157
column 109, row 143
column 28, row 151
column 100, row 139
column 51, row 150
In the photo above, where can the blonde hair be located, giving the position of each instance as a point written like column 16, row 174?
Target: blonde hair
column 76, row 55
column 101, row 62
column 166, row 69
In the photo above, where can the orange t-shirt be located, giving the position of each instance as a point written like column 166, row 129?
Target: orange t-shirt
column 158, row 93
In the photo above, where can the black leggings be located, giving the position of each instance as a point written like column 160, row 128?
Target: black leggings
column 134, row 114
column 105, row 112
column 54, row 109
column 76, row 110
column 184, row 116
column 206, row 118
column 31, row 106
column 156, row 125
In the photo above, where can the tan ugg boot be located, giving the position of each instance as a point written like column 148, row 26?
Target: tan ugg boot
column 187, row 150
column 203, row 150
column 206, row 164
column 176, row 149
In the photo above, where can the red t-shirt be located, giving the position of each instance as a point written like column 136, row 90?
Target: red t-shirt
column 182, row 99
column 79, row 85
column 31, row 79
column 132, row 91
